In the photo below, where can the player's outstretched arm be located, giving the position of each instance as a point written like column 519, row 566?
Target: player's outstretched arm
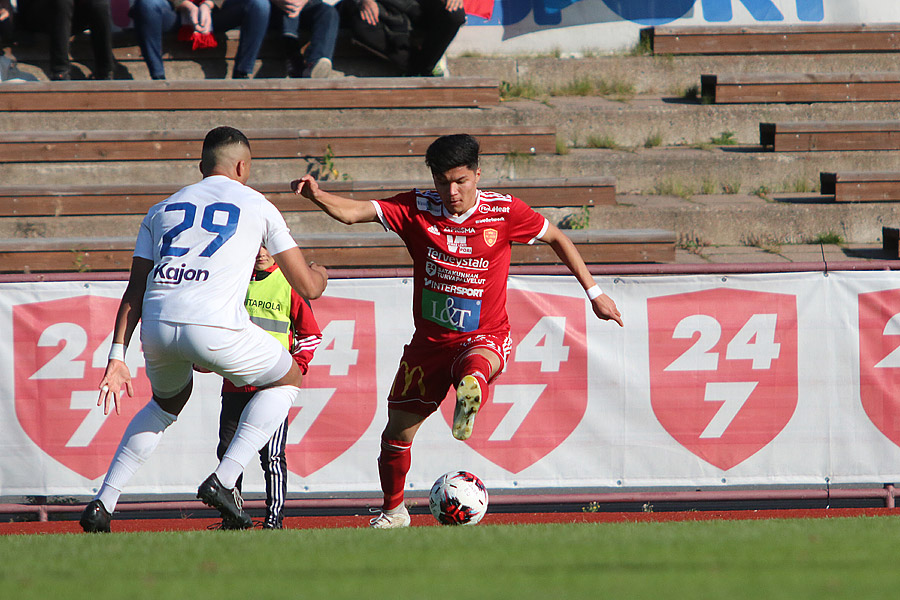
column 130, row 308
column 603, row 306
column 345, row 210
column 307, row 279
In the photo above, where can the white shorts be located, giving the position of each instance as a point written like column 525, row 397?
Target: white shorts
column 247, row 356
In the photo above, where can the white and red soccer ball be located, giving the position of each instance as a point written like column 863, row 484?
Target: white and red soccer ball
column 458, row 498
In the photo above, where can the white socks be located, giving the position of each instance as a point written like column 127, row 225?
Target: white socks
column 262, row 416
column 138, row 442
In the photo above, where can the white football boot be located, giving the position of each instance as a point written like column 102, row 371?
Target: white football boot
column 394, row 519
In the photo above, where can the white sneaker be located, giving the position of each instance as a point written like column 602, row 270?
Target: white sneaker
column 441, row 69
column 391, row 520
column 320, row 70
column 468, row 401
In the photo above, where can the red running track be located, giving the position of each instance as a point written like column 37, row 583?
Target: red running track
column 195, row 524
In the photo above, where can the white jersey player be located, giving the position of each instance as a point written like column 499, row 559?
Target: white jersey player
column 192, row 263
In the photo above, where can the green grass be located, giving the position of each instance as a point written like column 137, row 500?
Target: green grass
column 726, row 138
column 829, row 237
column 653, row 140
column 771, row 559
column 602, row 141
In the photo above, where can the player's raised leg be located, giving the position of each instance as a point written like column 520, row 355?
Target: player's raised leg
column 473, row 371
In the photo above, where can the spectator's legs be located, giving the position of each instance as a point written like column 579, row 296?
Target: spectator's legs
column 252, row 16
column 322, row 20
column 60, row 33
column 375, row 39
column 151, row 18
column 290, row 41
column 100, row 19
column 436, row 29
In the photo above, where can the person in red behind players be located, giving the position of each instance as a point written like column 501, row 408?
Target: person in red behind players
column 459, row 238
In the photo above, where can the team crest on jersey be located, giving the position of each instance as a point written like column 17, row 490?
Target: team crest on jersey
column 490, row 236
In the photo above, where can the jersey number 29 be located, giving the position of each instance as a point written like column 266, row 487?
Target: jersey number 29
column 223, row 231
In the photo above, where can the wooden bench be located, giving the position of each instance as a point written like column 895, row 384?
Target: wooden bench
column 67, row 146
column 773, row 39
column 336, row 250
column 748, row 88
column 814, row 136
column 853, row 186
column 247, row 94
column 54, row 201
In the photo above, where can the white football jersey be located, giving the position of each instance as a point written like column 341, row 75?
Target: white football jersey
column 203, row 242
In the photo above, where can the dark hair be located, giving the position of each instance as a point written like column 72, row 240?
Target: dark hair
column 221, row 137
column 451, row 151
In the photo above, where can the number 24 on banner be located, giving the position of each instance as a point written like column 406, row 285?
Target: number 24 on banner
column 723, row 370
column 60, row 349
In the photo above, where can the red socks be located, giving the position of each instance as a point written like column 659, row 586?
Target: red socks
column 393, row 465
column 472, row 364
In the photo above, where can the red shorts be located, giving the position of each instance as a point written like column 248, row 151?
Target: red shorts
column 424, row 376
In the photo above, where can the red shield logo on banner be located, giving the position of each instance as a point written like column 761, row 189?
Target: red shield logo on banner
column 60, row 354
column 338, row 398
column 879, row 360
column 723, row 370
column 542, row 396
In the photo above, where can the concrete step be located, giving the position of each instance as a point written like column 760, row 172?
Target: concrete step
column 679, row 170
column 699, row 222
column 579, row 121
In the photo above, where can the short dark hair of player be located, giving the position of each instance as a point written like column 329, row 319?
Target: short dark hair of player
column 451, row 151
column 221, row 137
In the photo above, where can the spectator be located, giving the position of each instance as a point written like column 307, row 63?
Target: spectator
column 153, row 17
column 8, row 70
column 413, row 34
column 6, row 21
column 66, row 16
column 321, row 20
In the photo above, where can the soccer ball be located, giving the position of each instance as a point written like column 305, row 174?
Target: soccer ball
column 458, row 498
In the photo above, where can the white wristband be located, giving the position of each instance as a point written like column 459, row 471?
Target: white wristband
column 117, row 352
column 593, row 291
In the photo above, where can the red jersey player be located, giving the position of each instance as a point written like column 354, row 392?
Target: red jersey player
column 460, row 240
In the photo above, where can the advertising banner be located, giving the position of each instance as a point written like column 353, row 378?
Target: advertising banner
column 767, row 379
column 579, row 26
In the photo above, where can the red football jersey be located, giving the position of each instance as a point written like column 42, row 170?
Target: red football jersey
column 460, row 263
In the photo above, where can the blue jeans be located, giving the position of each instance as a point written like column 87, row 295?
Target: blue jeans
column 322, row 21
column 153, row 17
